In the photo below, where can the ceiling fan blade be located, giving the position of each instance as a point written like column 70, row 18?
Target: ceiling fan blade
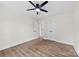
column 32, row 3
column 43, row 10
column 44, row 3
column 30, row 9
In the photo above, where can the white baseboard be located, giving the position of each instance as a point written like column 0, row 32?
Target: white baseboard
column 12, row 45
column 69, row 43
column 64, row 42
column 77, row 50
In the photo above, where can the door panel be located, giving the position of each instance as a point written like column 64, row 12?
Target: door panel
column 48, row 28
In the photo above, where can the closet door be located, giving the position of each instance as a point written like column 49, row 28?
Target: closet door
column 48, row 29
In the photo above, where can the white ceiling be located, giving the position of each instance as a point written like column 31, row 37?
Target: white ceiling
column 53, row 7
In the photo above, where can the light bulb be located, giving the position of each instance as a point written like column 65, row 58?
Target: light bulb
column 37, row 10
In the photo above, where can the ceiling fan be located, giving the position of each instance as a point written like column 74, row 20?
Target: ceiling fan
column 38, row 7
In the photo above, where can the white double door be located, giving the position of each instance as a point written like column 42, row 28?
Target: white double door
column 45, row 28
column 48, row 29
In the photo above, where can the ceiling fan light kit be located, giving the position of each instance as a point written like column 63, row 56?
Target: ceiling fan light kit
column 37, row 10
column 38, row 7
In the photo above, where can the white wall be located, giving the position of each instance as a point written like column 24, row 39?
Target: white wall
column 58, row 22
column 15, row 25
column 61, row 27
column 76, row 28
column 64, row 32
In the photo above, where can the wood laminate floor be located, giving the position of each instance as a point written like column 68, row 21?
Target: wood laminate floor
column 40, row 48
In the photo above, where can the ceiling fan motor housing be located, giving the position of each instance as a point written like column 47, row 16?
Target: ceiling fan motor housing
column 38, row 7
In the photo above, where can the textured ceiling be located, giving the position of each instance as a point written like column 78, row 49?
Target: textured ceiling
column 53, row 7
